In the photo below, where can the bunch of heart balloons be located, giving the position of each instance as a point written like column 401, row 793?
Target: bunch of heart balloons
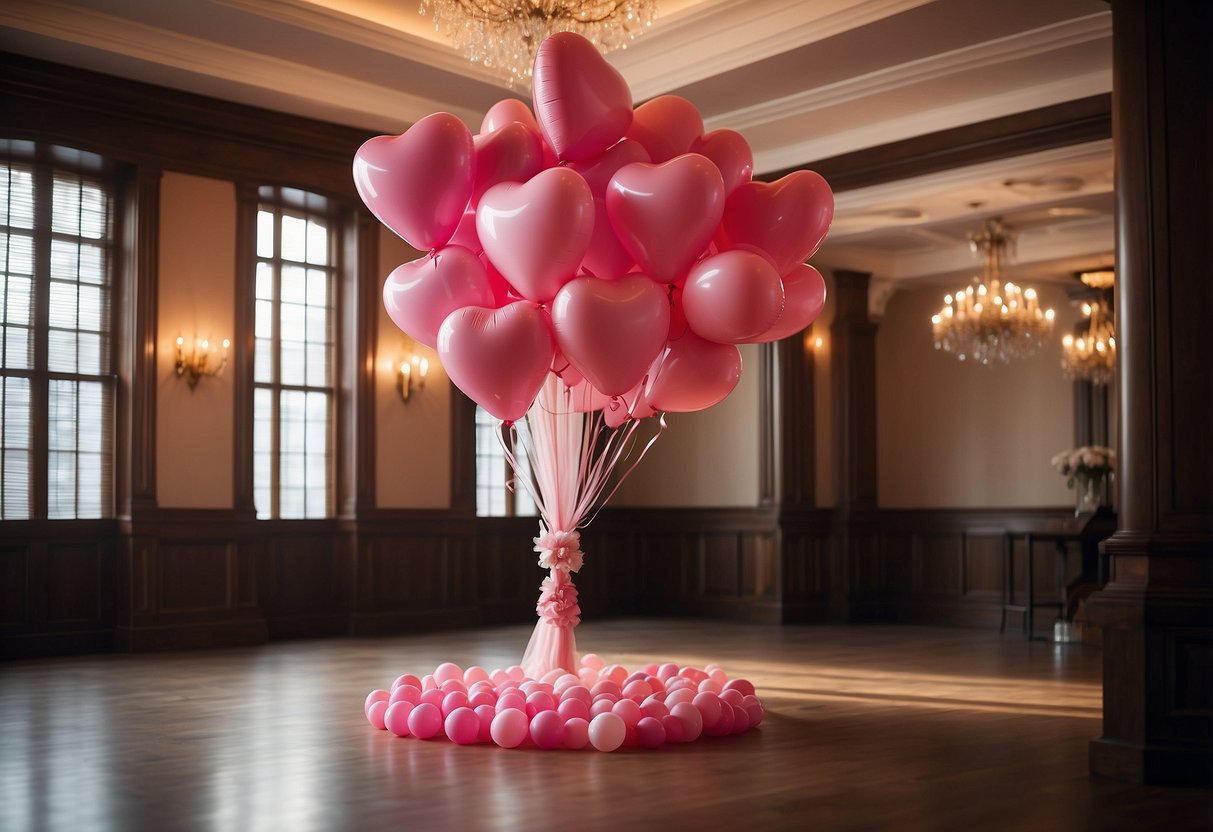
column 600, row 706
column 623, row 250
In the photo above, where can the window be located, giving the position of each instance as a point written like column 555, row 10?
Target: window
column 494, row 497
column 56, row 380
column 293, row 356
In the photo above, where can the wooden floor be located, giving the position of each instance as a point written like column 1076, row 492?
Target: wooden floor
column 873, row 727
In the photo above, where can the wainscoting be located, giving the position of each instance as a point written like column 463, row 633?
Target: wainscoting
column 209, row 578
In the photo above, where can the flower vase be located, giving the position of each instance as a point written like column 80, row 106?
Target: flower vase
column 1087, row 495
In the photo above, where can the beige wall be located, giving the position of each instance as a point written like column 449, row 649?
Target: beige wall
column 413, row 440
column 956, row 434
column 196, row 288
column 708, row 458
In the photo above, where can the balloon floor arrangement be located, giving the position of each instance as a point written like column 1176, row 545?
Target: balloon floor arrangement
column 588, row 266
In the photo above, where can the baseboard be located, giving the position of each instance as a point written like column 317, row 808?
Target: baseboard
column 233, row 633
column 40, row 645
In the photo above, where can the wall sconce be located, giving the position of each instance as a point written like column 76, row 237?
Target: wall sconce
column 196, row 363
column 411, row 375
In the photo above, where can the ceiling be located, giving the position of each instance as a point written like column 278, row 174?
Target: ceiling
column 800, row 79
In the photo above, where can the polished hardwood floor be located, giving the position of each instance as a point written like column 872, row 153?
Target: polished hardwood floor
column 868, row 727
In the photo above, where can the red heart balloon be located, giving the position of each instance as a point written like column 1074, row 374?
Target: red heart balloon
column 511, row 153
column 537, row 232
column 732, row 297
column 498, row 357
column 731, row 153
column 667, row 126
column 665, row 214
column 582, row 102
column 692, row 374
column 419, row 295
column 611, row 330
column 786, row 220
column 418, row 183
column 804, row 296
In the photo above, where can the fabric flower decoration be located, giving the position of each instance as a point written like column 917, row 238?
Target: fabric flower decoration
column 559, row 550
column 558, row 601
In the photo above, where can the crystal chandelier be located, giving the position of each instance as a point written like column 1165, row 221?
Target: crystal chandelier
column 504, row 34
column 991, row 320
column 1092, row 355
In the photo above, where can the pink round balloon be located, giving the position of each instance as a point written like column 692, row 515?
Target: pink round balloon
column 485, row 714
column 607, row 731
column 786, row 219
column 627, row 710
column 665, row 214
column 570, row 708
column 547, row 730
column 516, row 673
column 511, row 153
column 709, row 686
column 637, row 691
column 539, row 702
column 654, row 707
column 674, row 732
column 723, row 726
column 731, row 154
column 376, row 712
column 508, row 702
column 482, row 697
column 611, row 330
column 509, row 728
column 419, row 295
column 462, row 726
column 744, row 685
column 666, row 126
column 650, row 733
column 732, row 696
column 804, row 296
column 447, row 671
column 616, row 673
column 405, row 693
column 741, row 719
column 593, row 661
column 667, row 671
column 425, row 721
column 601, row 706
column 428, row 683
column 377, row 695
column 578, row 692
column 418, row 183
column 504, row 112
column 396, row 718
column 475, row 675
column 606, row 686
column 406, row 679
column 680, row 695
column 732, row 297
column 576, row 733
column 753, row 707
column 692, row 374
column 452, row 685
column 498, row 357
column 583, row 104
column 710, row 707
column 453, row 701
column 434, row 697
column 537, row 232
column 691, row 718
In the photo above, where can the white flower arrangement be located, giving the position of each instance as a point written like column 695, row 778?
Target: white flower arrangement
column 1089, row 462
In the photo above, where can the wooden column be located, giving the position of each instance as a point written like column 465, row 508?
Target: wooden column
column 854, row 567
column 1157, row 610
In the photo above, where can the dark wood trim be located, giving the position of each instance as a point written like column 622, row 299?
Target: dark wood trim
column 797, row 421
column 463, row 453
column 241, row 362
column 768, row 428
column 1059, row 125
column 359, row 319
column 158, row 127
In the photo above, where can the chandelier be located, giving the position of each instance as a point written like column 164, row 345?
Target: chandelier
column 1091, row 356
column 991, row 320
column 504, row 34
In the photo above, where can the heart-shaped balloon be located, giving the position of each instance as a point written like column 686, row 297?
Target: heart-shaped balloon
column 731, row 153
column 597, row 172
column 611, row 330
column 419, row 295
column 665, row 214
column 418, row 183
column 583, row 104
column 667, row 126
column 511, row 153
column 606, row 257
column 504, row 112
column 786, row 219
column 465, row 233
column 498, row 357
column 732, row 297
column 631, row 405
column 583, row 398
column 563, row 370
column 536, row 232
column 692, row 374
column 804, row 296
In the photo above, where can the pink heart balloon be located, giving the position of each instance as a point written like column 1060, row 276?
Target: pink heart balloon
column 804, row 296
column 498, row 357
column 631, row 405
column 511, row 153
column 665, row 214
column 692, row 374
column 536, row 232
column 583, row 103
column 563, row 370
column 786, row 219
column 419, row 295
column 731, row 153
column 418, row 183
column 597, row 172
column 611, row 330
column 606, row 257
column 667, row 126
column 585, row 399
column 732, row 297
column 506, row 111
column 465, row 233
